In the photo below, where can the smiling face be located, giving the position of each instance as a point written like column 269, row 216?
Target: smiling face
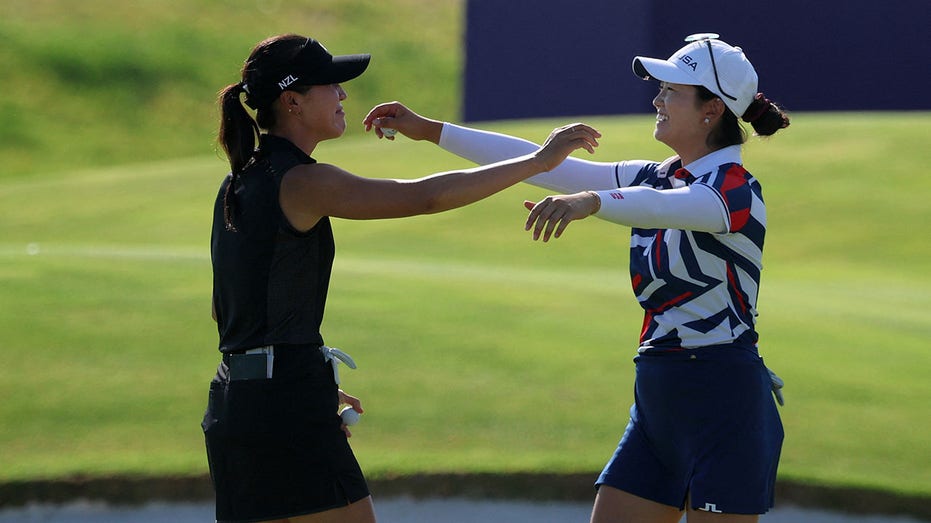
column 681, row 119
column 678, row 114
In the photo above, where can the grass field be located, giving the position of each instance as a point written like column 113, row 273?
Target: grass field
column 106, row 82
column 478, row 349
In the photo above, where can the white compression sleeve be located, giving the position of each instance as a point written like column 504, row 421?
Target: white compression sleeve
column 484, row 147
column 695, row 208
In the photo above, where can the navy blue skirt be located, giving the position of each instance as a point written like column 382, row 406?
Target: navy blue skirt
column 274, row 446
column 704, row 427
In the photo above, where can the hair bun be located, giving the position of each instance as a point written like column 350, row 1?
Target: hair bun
column 757, row 108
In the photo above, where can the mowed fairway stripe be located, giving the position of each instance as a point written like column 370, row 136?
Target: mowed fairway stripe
column 140, row 252
column 595, row 279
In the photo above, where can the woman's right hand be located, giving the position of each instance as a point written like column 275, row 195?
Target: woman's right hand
column 563, row 140
column 394, row 115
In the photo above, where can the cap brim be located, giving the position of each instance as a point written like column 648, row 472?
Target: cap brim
column 342, row 69
column 661, row 70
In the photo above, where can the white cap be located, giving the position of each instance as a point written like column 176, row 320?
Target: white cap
column 709, row 62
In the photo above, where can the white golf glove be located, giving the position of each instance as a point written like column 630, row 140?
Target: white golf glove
column 777, row 385
column 334, row 356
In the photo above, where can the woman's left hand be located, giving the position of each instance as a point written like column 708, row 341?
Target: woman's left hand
column 352, row 401
column 552, row 215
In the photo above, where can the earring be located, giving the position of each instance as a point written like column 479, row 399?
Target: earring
column 707, row 120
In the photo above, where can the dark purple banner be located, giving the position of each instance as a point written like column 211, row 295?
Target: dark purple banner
column 540, row 58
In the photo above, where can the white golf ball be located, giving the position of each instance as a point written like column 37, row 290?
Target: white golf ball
column 389, row 132
column 349, row 415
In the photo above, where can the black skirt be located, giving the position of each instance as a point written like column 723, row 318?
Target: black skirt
column 274, row 446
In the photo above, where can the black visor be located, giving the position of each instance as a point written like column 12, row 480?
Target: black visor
column 313, row 65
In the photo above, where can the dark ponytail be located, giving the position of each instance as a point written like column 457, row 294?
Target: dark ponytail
column 238, row 134
column 238, row 131
column 765, row 116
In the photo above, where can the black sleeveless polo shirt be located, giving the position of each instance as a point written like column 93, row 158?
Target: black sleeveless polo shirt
column 270, row 281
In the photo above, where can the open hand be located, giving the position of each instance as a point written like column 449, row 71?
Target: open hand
column 551, row 215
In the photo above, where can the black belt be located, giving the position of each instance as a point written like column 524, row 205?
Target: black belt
column 259, row 363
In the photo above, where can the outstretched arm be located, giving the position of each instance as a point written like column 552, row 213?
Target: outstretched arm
column 694, row 208
column 483, row 147
column 311, row 191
